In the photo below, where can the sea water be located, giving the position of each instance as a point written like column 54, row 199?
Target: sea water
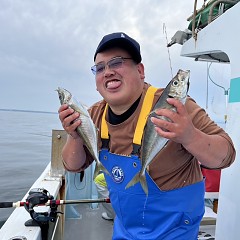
column 25, row 151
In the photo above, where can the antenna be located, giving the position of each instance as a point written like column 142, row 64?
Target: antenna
column 169, row 57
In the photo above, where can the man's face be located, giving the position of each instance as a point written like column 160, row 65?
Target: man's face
column 119, row 86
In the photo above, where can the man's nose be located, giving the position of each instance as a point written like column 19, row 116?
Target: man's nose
column 108, row 71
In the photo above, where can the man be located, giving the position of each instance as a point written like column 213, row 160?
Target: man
column 174, row 206
column 103, row 192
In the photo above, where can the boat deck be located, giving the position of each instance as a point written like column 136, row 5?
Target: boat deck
column 92, row 226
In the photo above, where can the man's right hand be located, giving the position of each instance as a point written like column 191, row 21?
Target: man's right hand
column 70, row 120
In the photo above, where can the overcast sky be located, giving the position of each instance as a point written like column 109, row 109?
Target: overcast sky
column 49, row 43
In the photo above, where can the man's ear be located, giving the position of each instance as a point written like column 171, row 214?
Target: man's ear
column 141, row 70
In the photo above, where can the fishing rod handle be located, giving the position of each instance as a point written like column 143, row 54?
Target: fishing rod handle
column 11, row 204
column 6, row 204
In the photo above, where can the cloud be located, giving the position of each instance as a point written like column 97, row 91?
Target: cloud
column 46, row 44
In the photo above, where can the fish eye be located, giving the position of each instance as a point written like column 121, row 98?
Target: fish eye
column 175, row 83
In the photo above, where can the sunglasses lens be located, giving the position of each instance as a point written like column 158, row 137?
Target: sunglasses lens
column 115, row 63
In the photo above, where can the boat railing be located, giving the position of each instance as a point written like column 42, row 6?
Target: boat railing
column 53, row 180
column 207, row 13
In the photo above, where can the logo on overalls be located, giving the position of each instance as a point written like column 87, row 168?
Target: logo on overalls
column 117, row 174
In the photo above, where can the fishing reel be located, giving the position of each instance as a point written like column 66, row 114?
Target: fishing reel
column 38, row 197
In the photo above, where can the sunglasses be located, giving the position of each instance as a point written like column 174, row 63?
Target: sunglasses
column 112, row 64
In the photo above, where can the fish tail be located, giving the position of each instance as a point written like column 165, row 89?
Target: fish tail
column 99, row 167
column 139, row 178
column 144, row 185
column 134, row 180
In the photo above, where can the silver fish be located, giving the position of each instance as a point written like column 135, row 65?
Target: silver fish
column 153, row 143
column 87, row 130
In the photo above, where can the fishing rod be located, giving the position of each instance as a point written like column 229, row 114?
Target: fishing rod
column 41, row 197
column 57, row 202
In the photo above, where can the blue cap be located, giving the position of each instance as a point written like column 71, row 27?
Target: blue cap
column 120, row 40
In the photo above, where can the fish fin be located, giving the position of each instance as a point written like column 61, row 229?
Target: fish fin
column 139, row 178
column 99, row 167
column 144, row 184
column 134, row 180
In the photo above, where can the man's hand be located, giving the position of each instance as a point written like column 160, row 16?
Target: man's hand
column 69, row 120
column 180, row 128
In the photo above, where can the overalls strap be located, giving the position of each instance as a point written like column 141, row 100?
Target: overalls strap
column 145, row 110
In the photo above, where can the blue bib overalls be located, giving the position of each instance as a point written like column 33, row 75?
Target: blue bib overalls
column 162, row 215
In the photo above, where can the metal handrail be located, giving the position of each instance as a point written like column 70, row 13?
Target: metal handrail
column 210, row 16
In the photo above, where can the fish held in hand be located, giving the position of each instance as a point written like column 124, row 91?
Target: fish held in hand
column 152, row 142
column 87, row 130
